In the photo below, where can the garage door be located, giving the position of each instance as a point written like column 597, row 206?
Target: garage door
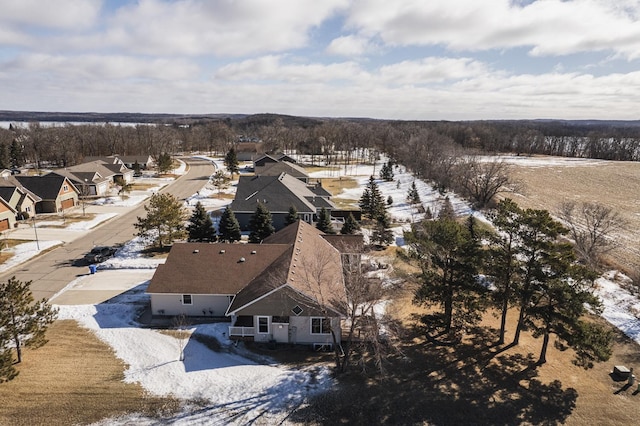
column 67, row 204
column 4, row 224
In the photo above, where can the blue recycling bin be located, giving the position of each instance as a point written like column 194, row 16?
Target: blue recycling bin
column 92, row 269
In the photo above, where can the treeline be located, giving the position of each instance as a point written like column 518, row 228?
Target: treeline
column 329, row 140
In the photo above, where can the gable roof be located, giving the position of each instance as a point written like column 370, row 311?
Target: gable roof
column 203, row 268
column 47, row 187
column 274, row 169
column 296, row 260
column 277, row 193
column 9, row 184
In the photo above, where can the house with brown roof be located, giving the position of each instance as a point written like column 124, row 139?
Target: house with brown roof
column 275, row 169
column 289, row 289
column 56, row 192
column 7, row 216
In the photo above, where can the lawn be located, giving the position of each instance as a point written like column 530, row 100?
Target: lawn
column 73, row 379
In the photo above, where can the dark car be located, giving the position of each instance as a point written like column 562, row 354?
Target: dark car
column 99, row 254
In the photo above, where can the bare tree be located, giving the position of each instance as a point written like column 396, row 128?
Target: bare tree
column 591, row 226
column 481, row 181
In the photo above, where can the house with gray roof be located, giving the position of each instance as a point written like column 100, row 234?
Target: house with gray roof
column 56, row 192
column 289, row 289
column 18, row 197
column 275, row 169
column 278, row 194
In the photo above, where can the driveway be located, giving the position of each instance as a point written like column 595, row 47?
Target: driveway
column 54, row 270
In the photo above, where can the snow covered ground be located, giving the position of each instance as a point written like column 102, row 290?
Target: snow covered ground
column 230, row 385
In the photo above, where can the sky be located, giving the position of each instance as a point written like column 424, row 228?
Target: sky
column 400, row 59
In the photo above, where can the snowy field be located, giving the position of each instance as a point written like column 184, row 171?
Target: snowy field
column 230, row 385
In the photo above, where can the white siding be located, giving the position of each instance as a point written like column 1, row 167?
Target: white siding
column 171, row 304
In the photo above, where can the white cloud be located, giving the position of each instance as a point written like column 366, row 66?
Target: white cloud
column 350, row 45
column 224, row 28
column 69, row 14
column 431, row 70
column 549, row 27
column 95, row 67
column 272, row 68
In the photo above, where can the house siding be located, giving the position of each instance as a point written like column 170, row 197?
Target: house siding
column 171, row 304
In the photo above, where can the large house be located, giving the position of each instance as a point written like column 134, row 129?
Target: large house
column 289, row 289
column 56, row 192
column 278, row 194
column 18, row 197
column 275, row 169
column 94, row 178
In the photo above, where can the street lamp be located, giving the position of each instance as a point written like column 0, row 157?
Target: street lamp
column 35, row 230
column 84, row 194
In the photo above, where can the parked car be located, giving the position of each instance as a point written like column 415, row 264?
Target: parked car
column 99, row 254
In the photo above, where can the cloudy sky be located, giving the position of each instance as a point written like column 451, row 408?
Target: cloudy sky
column 404, row 59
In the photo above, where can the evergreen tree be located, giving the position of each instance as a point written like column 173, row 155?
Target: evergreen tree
column 324, row 222
column 371, row 202
column 164, row 222
column 220, row 181
column 165, row 163
column 389, row 200
column 386, row 172
column 200, row 226
column 136, row 169
column 23, row 322
column 292, row 215
column 503, row 257
column 450, row 257
column 231, row 162
column 381, row 234
column 229, row 227
column 413, row 197
column 447, row 211
column 261, row 224
column 16, row 155
column 350, row 225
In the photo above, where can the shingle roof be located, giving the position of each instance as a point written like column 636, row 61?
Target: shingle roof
column 202, row 268
column 274, row 169
column 297, row 257
column 277, row 193
column 46, row 187
column 12, row 182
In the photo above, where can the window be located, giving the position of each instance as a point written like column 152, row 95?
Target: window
column 186, row 299
column 263, row 325
column 320, row 326
column 65, row 188
column 280, row 320
column 297, row 310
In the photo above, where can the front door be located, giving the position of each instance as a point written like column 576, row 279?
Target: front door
column 280, row 332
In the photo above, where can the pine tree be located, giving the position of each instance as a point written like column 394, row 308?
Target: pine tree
column 292, row 215
column 450, row 258
column 389, row 200
column 229, row 227
column 136, row 169
column 381, row 234
column 386, row 172
column 16, row 154
column 231, row 162
column 200, row 226
column 7, row 369
column 220, row 181
column 350, row 226
column 324, row 222
column 164, row 222
column 261, row 224
column 165, row 163
column 413, row 197
column 23, row 321
column 371, row 202
column 447, row 211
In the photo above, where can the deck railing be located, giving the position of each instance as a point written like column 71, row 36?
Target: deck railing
column 241, row 331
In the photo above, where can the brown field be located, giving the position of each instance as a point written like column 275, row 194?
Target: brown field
column 336, row 186
column 73, row 379
column 614, row 184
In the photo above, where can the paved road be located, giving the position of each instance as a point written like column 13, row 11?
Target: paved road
column 52, row 271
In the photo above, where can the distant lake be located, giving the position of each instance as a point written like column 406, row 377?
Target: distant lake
column 25, row 124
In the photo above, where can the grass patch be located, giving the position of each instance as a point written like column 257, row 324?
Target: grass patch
column 74, row 379
column 337, row 185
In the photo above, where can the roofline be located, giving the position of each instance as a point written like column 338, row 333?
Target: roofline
column 253, row 301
